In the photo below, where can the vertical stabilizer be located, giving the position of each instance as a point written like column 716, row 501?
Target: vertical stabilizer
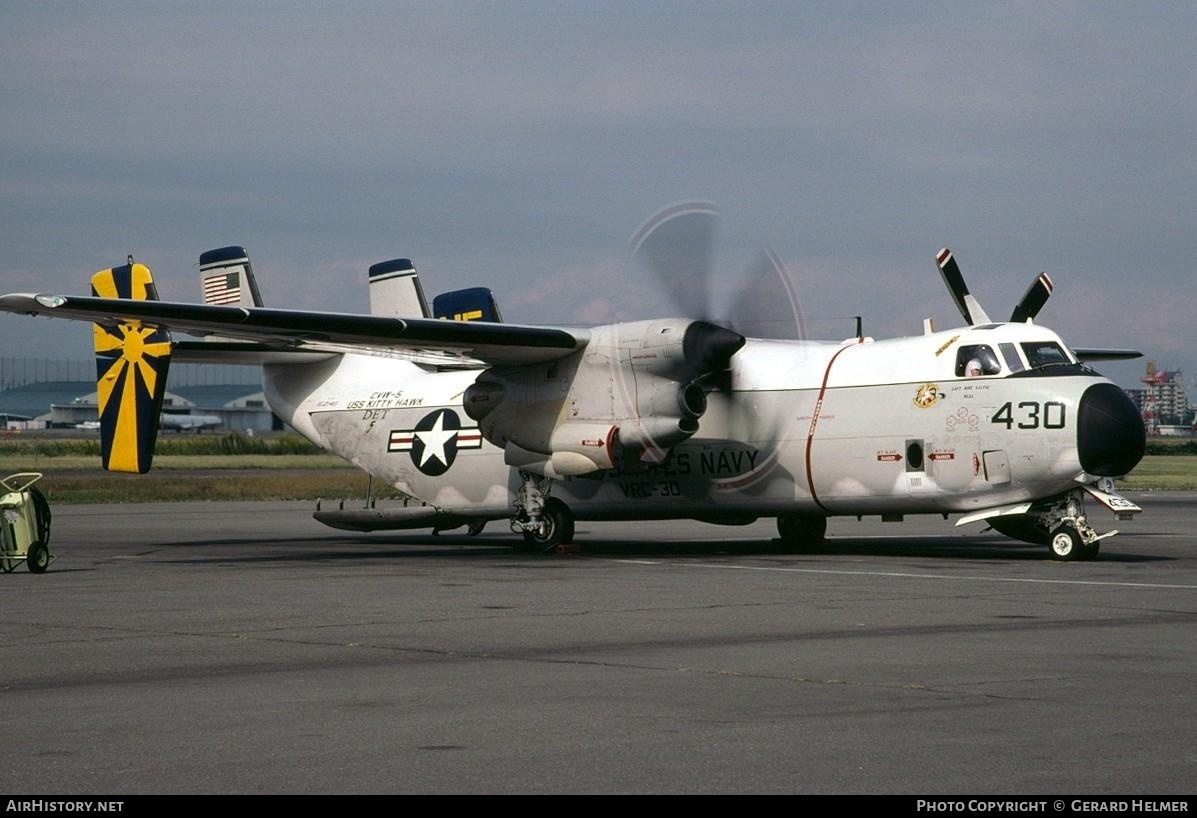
column 395, row 290
column 470, row 304
column 228, row 279
column 131, row 365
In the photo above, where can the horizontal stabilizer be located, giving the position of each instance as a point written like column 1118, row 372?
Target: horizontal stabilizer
column 246, row 353
column 500, row 344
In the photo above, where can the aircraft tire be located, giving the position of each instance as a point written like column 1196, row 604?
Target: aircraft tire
column 1089, row 552
column 560, row 528
column 37, row 558
column 801, row 530
column 1066, row 544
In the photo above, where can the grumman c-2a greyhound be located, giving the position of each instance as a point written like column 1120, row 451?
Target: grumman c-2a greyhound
column 676, row 418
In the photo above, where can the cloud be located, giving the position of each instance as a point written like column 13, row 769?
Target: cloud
column 517, row 145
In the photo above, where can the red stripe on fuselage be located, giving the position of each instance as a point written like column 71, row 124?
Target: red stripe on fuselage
column 814, row 421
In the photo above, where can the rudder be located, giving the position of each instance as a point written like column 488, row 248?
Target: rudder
column 227, row 278
column 131, row 365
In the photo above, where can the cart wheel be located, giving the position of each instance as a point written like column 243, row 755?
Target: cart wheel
column 38, row 558
column 8, row 565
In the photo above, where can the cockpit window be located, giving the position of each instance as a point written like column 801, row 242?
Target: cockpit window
column 1044, row 353
column 976, row 361
column 1010, row 354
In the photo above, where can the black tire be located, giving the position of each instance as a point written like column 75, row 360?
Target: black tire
column 801, row 530
column 559, row 529
column 37, row 558
column 41, row 510
column 1089, row 552
column 1066, row 544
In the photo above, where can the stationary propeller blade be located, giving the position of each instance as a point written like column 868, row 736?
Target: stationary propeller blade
column 1032, row 300
column 969, row 307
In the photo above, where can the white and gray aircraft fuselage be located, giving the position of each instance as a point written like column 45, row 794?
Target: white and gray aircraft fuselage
column 818, row 428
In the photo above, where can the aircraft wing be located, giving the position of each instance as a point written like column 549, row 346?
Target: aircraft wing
column 1106, row 354
column 496, row 344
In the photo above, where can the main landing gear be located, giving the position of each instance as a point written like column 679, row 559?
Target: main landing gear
column 801, row 531
column 544, row 521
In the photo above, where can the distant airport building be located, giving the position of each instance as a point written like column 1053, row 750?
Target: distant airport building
column 15, row 372
column 1163, row 401
column 31, row 400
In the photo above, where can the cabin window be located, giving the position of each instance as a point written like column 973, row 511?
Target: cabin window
column 976, row 360
column 1044, row 353
column 1010, row 356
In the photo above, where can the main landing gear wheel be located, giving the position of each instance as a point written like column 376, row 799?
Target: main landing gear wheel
column 801, row 531
column 558, row 528
column 1066, row 544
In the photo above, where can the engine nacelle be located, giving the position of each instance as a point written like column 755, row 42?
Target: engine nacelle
column 625, row 400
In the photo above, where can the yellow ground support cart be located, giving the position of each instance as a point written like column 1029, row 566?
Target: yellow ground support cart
column 24, row 524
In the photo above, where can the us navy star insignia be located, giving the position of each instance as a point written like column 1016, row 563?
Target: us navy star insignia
column 435, row 441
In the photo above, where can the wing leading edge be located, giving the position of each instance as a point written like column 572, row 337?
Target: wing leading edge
column 496, row 344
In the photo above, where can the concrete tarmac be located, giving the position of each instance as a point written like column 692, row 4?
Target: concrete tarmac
column 243, row 647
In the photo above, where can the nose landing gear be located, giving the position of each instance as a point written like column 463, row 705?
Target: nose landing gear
column 1070, row 535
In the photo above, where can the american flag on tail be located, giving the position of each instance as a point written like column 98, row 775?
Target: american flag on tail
column 223, row 288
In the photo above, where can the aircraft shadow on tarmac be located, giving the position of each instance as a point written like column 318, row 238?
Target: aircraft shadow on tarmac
column 459, row 546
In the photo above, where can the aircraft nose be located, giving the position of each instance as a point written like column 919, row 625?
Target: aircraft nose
column 1110, row 435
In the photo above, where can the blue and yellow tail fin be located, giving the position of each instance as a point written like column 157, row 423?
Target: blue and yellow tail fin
column 131, row 365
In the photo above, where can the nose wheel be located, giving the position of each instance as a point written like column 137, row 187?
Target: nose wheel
column 1067, row 544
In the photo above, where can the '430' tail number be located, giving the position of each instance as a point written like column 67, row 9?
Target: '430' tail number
column 1030, row 414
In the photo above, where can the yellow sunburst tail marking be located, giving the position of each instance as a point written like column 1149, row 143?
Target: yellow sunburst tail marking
column 131, row 364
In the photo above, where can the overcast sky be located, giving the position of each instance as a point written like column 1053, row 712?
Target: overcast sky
column 519, row 146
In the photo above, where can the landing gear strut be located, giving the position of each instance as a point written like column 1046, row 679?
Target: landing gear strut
column 545, row 522
column 1070, row 536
